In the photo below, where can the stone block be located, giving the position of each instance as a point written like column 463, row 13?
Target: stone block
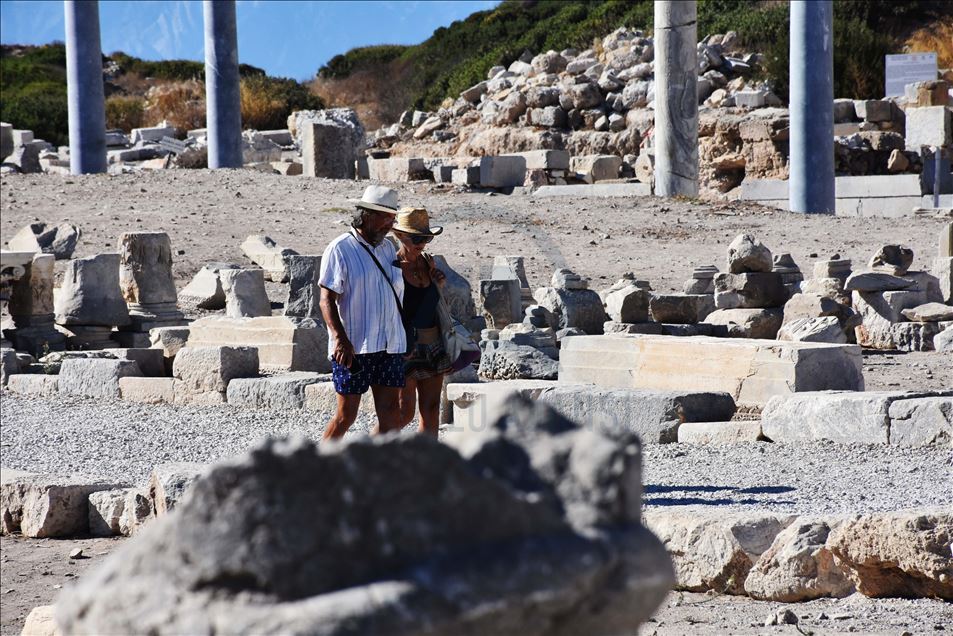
column 873, row 110
column 506, row 360
column 943, row 270
column 33, row 384
column 731, row 432
column 184, row 395
column 751, row 371
column 304, row 294
column 858, row 418
column 500, row 302
column 169, row 340
column 147, row 390
column 276, row 392
column 283, row 343
column 545, row 159
column 930, row 126
column 880, row 309
column 168, row 483
column 754, row 290
column 818, row 329
column 6, row 140
column 466, row 176
column 397, row 169
column 202, row 369
column 628, row 305
column 681, row 309
column 876, row 282
column 152, row 133
column 505, row 171
column 844, row 110
column 922, row 421
column 95, row 377
column 328, row 150
column 596, row 167
column 245, row 295
column 47, row 506
column 620, row 190
column 41, row 621
column 746, row 254
column 60, row 241
column 205, row 289
column 106, row 509
column 930, row 312
column 747, row 323
column 268, row 255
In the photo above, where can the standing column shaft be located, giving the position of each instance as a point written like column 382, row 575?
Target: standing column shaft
column 222, row 96
column 676, row 98
column 84, row 87
column 812, row 107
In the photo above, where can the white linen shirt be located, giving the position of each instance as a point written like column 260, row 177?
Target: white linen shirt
column 365, row 301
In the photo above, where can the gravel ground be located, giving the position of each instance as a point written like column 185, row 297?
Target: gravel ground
column 121, row 440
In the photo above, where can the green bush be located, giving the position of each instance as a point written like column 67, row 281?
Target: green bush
column 125, row 112
column 40, row 107
column 267, row 101
column 173, row 70
column 341, row 66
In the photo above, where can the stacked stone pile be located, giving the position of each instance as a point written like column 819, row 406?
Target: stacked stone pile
column 21, row 152
column 900, row 308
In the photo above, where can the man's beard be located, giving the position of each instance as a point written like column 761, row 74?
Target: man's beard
column 375, row 238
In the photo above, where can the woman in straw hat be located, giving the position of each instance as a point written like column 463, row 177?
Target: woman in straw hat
column 427, row 360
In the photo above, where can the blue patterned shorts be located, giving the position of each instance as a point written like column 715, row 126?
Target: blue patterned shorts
column 380, row 368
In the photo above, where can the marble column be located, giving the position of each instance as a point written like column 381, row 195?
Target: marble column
column 812, row 107
column 676, row 98
column 84, row 87
column 31, row 309
column 222, row 96
column 147, row 284
column 89, row 303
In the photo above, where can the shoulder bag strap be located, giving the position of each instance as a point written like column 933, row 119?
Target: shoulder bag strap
column 400, row 306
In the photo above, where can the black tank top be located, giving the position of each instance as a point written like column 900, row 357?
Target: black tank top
column 421, row 303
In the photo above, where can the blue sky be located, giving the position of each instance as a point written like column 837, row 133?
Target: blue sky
column 284, row 37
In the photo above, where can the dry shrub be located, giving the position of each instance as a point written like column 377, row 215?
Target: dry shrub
column 260, row 109
column 182, row 104
column 378, row 96
column 936, row 37
column 124, row 112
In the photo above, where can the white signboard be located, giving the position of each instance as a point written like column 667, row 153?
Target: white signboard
column 907, row 69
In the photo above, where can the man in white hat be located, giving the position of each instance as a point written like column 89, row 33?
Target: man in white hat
column 361, row 292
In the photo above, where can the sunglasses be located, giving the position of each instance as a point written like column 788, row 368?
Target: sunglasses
column 420, row 240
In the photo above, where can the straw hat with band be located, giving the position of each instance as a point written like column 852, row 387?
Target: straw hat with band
column 415, row 221
column 378, row 198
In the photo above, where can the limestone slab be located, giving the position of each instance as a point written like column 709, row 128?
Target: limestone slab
column 731, row 432
column 168, row 483
column 283, row 343
column 204, row 369
column 147, row 390
column 503, row 171
column 95, row 377
column 751, row 371
column 44, row 506
column 858, row 417
column 596, row 190
column 278, row 392
column 321, row 396
column 33, row 384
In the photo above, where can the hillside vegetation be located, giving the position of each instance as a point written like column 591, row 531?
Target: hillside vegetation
column 138, row 93
column 388, row 79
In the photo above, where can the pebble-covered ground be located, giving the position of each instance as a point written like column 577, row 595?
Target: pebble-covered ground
column 121, row 440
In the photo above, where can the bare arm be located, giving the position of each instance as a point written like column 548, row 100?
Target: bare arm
column 343, row 352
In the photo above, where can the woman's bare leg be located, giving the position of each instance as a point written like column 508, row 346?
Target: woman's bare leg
column 428, row 396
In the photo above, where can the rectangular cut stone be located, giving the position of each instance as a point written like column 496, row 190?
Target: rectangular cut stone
column 751, row 371
column 943, row 270
column 281, row 137
column 719, row 432
column 147, row 390
column 654, row 415
column 327, row 150
column 44, row 506
column 596, row 190
column 946, row 240
column 153, row 133
column 930, row 126
column 282, row 344
column 862, row 418
column 878, row 186
column 397, row 169
column 33, row 384
column 545, row 159
column 466, row 176
column 597, row 167
column 922, row 421
column 151, row 361
column 204, row 369
column 279, row 392
column 506, row 171
column 95, row 377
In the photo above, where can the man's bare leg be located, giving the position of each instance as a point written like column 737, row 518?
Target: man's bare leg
column 344, row 417
column 387, row 406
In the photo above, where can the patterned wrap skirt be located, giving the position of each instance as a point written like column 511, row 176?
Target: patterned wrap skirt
column 429, row 358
